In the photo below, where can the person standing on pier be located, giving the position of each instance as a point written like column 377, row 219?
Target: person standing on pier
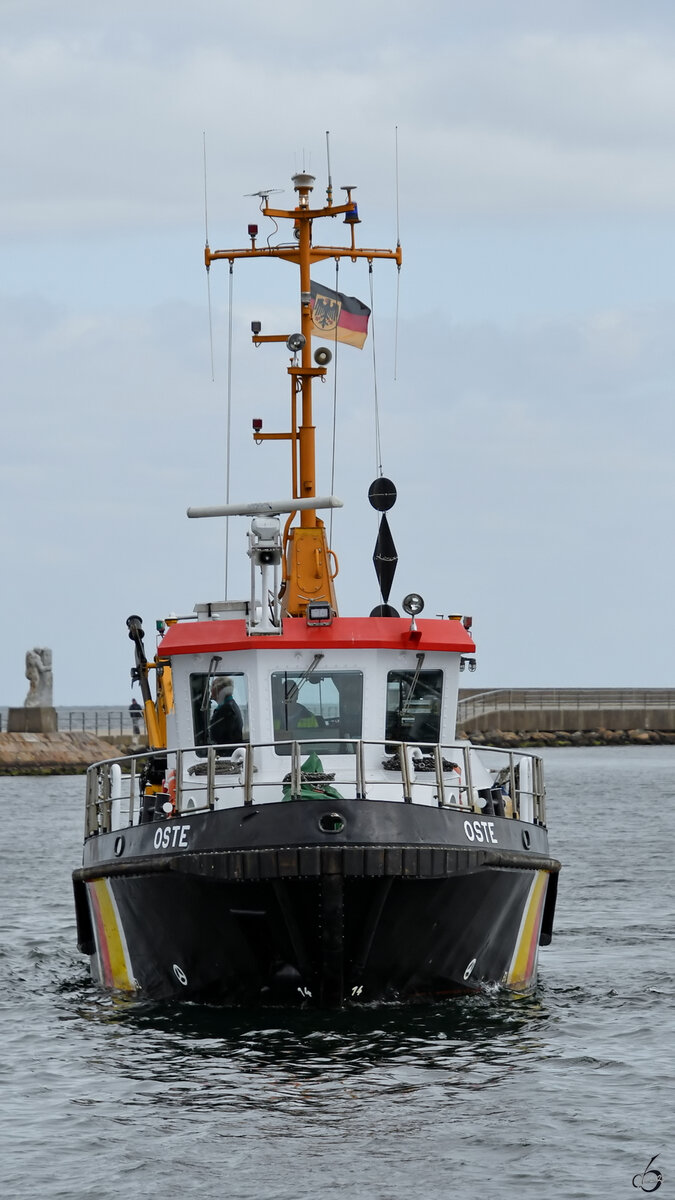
column 136, row 713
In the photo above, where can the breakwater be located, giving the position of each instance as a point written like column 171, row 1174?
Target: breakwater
column 84, row 735
column 58, row 753
column 532, row 738
column 596, row 712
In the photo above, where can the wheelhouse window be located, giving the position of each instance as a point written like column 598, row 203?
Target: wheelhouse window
column 219, row 710
column 414, row 706
column 317, row 706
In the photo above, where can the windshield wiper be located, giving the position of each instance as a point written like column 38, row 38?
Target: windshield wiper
column 292, row 692
column 409, row 698
column 207, row 686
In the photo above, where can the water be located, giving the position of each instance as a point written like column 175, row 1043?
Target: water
column 568, row 1093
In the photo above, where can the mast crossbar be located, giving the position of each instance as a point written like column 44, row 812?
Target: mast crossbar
column 309, row 565
column 291, row 253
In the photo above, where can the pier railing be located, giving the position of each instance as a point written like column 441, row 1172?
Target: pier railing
column 106, row 722
column 640, row 705
column 141, row 788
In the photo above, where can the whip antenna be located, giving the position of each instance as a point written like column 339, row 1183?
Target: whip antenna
column 398, row 211
column 329, row 189
column 208, row 273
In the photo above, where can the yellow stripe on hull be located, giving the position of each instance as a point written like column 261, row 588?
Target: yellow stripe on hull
column 113, row 951
column 524, row 961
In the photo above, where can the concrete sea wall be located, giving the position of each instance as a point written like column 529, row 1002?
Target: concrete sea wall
column 53, row 753
column 567, row 716
column 564, row 737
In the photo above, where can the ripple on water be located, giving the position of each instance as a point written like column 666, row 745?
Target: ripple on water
column 565, row 1093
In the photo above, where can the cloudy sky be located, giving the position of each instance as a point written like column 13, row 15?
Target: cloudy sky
column 530, row 425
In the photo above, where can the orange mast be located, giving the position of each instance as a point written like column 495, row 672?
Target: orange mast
column 309, row 565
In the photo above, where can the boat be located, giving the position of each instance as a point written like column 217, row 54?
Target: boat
column 305, row 826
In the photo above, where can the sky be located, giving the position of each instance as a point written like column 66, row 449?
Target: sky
column 524, row 395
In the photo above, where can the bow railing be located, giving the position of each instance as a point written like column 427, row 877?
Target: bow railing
column 154, row 786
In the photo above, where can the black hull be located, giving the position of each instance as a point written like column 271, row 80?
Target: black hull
column 324, row 921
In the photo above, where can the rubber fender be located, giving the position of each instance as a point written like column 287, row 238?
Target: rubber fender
column 546, row 932
column 85, row 932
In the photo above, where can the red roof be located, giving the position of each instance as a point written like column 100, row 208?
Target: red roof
column 365, row 633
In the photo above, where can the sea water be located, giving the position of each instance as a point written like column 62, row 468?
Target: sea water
column 567, row 1093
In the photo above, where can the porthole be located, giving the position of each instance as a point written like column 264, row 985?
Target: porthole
column 526, row 838
column 119, row 846
column 331, row 823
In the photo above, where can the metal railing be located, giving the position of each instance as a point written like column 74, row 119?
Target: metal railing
column 139, row 788
column 113, row 722
column 103, row 721
column 106, row 722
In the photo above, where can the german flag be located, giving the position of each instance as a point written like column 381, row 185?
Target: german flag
column 337, row 316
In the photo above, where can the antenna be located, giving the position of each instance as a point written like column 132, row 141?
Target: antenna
column 206, row 204
column 398, row 215
column 264, row 193
column 208, row 273
column 329, row 189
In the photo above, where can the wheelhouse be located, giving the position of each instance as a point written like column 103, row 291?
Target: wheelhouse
column 329, row 686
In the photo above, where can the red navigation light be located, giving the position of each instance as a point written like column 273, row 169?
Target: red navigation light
column 253, row 231
column 257, row 424
column 467, row 622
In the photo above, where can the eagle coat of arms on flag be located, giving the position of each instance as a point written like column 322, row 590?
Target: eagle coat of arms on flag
column 326, row 312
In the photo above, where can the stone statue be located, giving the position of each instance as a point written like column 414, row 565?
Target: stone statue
column 40, row 678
